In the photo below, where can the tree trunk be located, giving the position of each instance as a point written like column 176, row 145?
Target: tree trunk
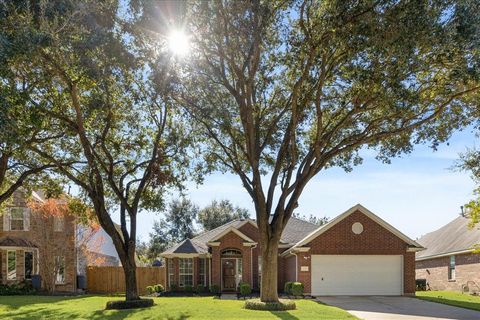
column 130, row 271
column 269, row 285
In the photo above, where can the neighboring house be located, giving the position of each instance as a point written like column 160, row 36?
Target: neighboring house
column 26, row 239
column 21, row 231
column 357, row 253
column 100, row 250
column 448, row 262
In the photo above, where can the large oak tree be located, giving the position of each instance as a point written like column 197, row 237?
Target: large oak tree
column 286, row 89
column 123, row 144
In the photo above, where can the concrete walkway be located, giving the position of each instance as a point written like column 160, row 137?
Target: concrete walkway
column 398, row 308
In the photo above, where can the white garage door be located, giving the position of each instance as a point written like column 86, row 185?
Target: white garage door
column 357, row 275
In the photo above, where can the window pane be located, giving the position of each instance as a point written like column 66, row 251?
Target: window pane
column 12, row 265
column 16, row 219
column 59, row 223
column 16, row 213
column 186, row 272
column 60, row 266
column 28, row 264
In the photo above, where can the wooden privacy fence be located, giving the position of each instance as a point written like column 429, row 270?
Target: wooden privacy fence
column 112, row 279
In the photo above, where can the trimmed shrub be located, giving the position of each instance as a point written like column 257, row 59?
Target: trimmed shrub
column 131, row 304
column 297, row 289
column 188, row 288
column 201, row 289
column 288, row 287
column 22, row 288
column 150, row 289
column 173, row 287
column 281, row 305
column 245, row 289
column 215, row 289
column 158, row 288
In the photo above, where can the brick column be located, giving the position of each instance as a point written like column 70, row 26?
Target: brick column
column 216, row 265
column 247, row 265
column 409, row 273
column 304, row 260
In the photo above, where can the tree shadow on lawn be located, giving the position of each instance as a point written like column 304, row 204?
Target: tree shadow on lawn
column 45, row 313
column 283, row 315
column 35, row 310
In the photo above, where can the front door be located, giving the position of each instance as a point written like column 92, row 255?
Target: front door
column 228, row 272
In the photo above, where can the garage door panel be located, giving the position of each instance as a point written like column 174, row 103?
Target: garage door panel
column 357, row 275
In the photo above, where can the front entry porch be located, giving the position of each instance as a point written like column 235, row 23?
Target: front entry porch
column 232, row 268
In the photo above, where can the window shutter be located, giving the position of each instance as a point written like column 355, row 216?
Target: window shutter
column 6, row 221
column 26, row 219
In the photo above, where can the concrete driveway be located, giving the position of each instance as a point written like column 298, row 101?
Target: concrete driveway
column 398, row 308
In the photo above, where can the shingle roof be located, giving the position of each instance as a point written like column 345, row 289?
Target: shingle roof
column 295, row 230
column 187, row 246
column 454, row 236
column 16, row 242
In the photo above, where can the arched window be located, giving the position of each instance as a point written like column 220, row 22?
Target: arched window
column 231, row 253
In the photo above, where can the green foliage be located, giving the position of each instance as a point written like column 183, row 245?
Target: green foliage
column 130, row 304
column 245, row 289
column 150, row 289
column 22, row 288
column 281, row 305
column 288, row 287
column 158, row 288
column 218, row 213
column 201, row 288
column 177, row 225
column 296, row 289
column 312, row 219
column 173, row 287
column 188, row 288
column 215, row 289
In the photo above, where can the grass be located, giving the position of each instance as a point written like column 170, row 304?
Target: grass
column 92, row 307
column 451, row 298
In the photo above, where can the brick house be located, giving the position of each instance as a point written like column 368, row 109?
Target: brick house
column 357, row 253
column 449, row 263
column 26, row 238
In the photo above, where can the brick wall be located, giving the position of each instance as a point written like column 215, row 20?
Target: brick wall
column 231, row 241
column 467, row 269
column 64, row 241
column 374, row 240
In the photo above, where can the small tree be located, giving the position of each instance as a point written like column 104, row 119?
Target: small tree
column 220, row 212
column 54, row 215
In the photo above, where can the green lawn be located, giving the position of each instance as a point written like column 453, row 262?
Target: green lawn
column 452, row 298
column 91, row 307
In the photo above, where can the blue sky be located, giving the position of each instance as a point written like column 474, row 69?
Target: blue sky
column 416, row 193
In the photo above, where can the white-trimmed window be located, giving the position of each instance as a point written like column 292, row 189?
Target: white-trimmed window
column 185, row 272
column 17, row 219
column 11, row 265
column 58, row 223
column 29, row 263
column 171, row 272
column 60, row 266
column 451, row 268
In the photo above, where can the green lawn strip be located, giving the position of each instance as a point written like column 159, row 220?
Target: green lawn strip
column 92, row 307
column 451, row 298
